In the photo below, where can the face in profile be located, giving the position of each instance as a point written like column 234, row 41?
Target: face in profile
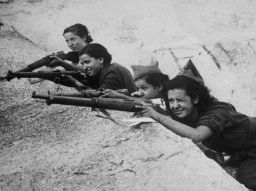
column 146, row 90
column 181, row 105
column 74, row 42
column 91, row 65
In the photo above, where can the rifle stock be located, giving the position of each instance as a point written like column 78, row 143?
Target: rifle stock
column 104, row 103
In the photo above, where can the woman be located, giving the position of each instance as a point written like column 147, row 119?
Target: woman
column 197, row 115
column 77, row 37
column 102, row 74
column 149, row 81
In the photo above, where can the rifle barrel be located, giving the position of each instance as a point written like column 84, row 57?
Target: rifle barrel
column 42, row 74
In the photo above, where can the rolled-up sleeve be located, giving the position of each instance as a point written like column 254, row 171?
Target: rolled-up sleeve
column 219, row 117
column 213, row 121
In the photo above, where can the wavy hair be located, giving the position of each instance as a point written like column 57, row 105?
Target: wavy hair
column 193, row 89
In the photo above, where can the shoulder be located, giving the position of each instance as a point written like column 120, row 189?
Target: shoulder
column 72, row 56
column 115, row 68
column 221, row 114
column 221, row 106
column 218, row 111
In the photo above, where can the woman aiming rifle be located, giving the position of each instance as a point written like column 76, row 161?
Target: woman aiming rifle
column 102, row 74
column 149, row 81
column 197, row 115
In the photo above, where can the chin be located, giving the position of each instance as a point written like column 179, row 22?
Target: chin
column 181, row 116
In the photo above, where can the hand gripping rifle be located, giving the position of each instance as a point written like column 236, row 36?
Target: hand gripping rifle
column 95, row 102
column 45, row 61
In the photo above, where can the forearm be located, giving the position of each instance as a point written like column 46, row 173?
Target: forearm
column 121, row 96
column 177, row 127
column 68, row 66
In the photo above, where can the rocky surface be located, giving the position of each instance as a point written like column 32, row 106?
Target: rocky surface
column 72, row 148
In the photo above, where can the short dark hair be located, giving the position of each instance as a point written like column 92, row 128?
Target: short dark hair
column 193, row 89
column 79, row 30
column 157, row 80
column 96, row 50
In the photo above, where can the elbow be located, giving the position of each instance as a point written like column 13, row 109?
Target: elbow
column 201, row 133
column 197, row 138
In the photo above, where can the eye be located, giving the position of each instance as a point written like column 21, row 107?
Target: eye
column 72, row 39
column 87, row 62
column 171, row 100
column 180, row 100
column 144, row 88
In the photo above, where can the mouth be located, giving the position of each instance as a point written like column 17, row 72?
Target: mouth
column 72, row 48
column 177, row 112
column 89, row 71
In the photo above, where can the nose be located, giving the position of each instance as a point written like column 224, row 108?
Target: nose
column 137, row 94
column 85, row 67
column 175, row 104
column 70, row 43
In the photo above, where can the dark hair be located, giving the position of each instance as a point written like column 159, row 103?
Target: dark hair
column 156, row 79
column 79, row 30
column 193, row 89
column 96, row 50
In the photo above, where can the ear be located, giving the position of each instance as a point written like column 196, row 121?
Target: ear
column 101, row 60
column 160, row 88
column 195, row 100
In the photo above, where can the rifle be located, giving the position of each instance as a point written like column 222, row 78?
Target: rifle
column 95, row 102
column 66, row 78
column 42, row 74
column 100, row 91
column 45, row 61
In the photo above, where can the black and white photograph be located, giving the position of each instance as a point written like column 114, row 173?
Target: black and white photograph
column 127, row 95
